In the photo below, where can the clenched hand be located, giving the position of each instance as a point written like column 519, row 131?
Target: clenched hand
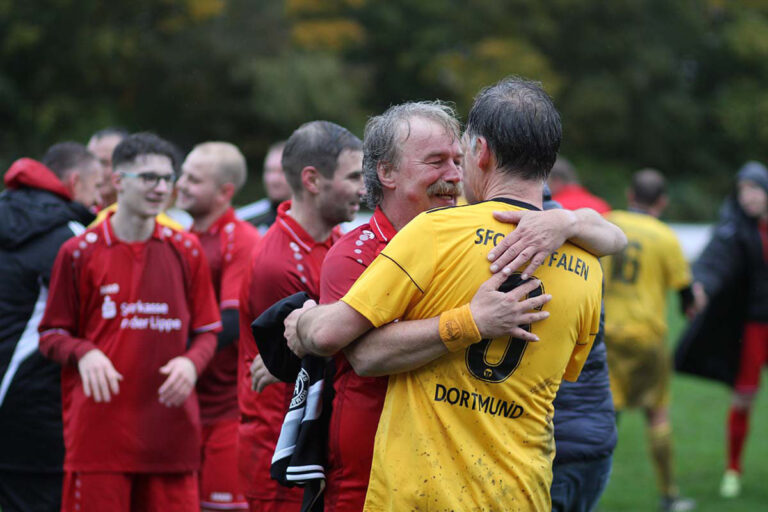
column 260, row 376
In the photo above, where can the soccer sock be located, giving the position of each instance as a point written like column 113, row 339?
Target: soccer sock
column 738, row 425
column 660, row 442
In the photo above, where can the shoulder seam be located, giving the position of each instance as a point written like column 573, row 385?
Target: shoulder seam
column 406, row 272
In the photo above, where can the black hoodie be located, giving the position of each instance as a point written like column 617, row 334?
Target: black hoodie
column 37, row 215
column 733, row 268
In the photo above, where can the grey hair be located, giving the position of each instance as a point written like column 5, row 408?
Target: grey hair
column 386, row 132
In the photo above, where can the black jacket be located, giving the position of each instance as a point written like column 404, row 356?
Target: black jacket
column 585, row 421
column 734, row 273
column 301, row 452
column 36, row 217
column 735, row 255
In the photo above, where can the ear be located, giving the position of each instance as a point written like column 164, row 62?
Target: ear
column 72, row 182
column 482, row 152
column 385, row 172
column 630, row 196
column 117, row 180
column 310, row 179
column 227, row 191
column 662, row 202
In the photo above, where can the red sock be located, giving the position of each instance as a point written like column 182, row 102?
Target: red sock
column 738, row 424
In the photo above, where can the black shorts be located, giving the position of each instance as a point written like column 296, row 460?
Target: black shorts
column 30, row 492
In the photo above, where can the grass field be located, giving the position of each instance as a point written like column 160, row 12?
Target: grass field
column 699, row 411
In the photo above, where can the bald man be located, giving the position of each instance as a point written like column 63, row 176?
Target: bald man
column 211, row 175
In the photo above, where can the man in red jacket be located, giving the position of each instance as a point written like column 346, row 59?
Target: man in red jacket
column 212, row 174
column 131, row 316
column 44, row 204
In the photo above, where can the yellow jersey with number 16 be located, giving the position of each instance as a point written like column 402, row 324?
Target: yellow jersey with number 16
column 473, row 429
column 637, row 279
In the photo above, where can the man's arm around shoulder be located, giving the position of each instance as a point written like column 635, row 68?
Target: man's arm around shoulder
column 406, row 345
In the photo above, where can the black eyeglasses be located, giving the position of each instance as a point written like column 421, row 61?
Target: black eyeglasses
column 151, row 179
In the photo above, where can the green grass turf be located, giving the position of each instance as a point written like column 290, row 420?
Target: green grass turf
column 699, row 411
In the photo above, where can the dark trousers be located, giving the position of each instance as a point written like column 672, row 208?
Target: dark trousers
column 30, row 492
column 577, row 486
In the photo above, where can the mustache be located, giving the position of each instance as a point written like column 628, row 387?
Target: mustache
column 444, row 188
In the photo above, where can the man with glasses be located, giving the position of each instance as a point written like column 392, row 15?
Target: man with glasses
column 103, row 144
column 132, row 318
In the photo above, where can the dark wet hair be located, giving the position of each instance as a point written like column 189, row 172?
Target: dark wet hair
column 521, row 125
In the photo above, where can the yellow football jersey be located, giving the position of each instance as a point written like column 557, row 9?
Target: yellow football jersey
column 162, row 218
column 637, row 279
column 472, row 430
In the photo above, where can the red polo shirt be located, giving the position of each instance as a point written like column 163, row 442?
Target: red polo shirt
column 573, row 197
column 358, row 401
column 139, row 303
column 228, row 245
column 286, row 261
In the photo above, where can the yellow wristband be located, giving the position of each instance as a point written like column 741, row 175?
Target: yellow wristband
column 458, row 329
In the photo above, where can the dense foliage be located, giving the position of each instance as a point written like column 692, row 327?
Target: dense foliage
column 673, row 84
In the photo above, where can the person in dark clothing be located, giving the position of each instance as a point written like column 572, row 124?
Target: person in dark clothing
column 45, row 204
column 732, row 276
column 263, row 213
column 585, row 428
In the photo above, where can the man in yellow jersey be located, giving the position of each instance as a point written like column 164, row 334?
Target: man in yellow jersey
column 102, row 144
column 467, row 420
column 636, row 284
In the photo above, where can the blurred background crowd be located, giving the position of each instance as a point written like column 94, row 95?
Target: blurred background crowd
column 671, row 84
